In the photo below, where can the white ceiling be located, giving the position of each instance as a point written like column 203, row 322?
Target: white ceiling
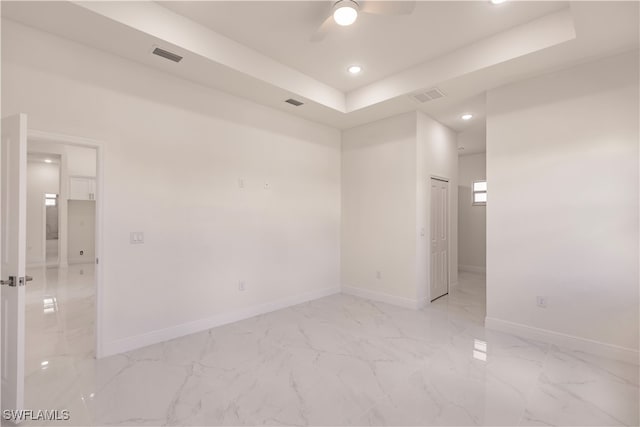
column 382, row 45
column 261, row 50
column 37, row 157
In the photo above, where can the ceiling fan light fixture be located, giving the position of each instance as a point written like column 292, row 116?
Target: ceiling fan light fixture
column 345, row 12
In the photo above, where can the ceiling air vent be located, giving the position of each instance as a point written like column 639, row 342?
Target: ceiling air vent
column 166, row 54
column 294, row 102
column 427, row 95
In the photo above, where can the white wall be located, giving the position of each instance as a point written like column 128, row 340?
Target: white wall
column 41, row 178
column 562, row 217
column 472, row 220
column 81, row 161
column 386, row 168
column 81, row 214
column 379, row 209
column 473, row 140
column 81, row 228
column 437, row 156
column 174, row 153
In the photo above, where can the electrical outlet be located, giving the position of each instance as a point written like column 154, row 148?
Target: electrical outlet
column 378, row 275
column 267, row 186
column 241, row 183
column 241, row 285
column 541, row 301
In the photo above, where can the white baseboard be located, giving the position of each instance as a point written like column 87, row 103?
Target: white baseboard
column 382, row 297
column 571, row 342
column 161, row 335
column 472, row 268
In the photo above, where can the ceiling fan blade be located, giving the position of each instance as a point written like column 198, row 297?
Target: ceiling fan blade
column 322, row 31
column 387, row 7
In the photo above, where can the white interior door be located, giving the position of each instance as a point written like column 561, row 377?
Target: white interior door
column 13, row 214
column 439, row 238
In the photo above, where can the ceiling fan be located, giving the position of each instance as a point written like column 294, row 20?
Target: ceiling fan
column 345, row 12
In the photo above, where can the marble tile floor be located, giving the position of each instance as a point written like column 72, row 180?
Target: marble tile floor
column 339, row 360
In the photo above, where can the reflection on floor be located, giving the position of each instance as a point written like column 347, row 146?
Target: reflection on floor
column 60, row 318
column 339, row 360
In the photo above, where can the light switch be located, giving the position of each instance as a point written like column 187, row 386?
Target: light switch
column 136, row 237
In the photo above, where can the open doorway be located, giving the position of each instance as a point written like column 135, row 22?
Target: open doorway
column 473, row 196
column 472, row 215
column 60, row 315
column 43, row 214
column 52, row 218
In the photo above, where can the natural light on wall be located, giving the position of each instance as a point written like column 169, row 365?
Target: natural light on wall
column 480, row 193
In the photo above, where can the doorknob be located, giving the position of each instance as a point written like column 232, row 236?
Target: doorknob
column 23, row 280
column 10, row 282
column 13, row 283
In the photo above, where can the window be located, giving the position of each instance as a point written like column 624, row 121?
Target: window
column 50, row 199
column 480, row 193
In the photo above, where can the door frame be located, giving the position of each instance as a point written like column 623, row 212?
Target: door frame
column 56, row 138
column 448, row 181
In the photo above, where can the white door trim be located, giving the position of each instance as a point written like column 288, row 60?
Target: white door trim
column 50, row 137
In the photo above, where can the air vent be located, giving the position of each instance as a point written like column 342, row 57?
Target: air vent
column 428, row 95
column 166, row 54
column 294, row 102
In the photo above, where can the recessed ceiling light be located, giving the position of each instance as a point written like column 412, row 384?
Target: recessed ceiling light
column 48, row 161
column 497, row 1
column 467, row 116
column 355, row 69
column 345, row 12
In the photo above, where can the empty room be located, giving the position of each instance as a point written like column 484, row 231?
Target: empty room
column 320, row 213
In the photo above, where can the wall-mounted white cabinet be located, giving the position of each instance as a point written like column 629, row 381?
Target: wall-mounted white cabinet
column 82, row 188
